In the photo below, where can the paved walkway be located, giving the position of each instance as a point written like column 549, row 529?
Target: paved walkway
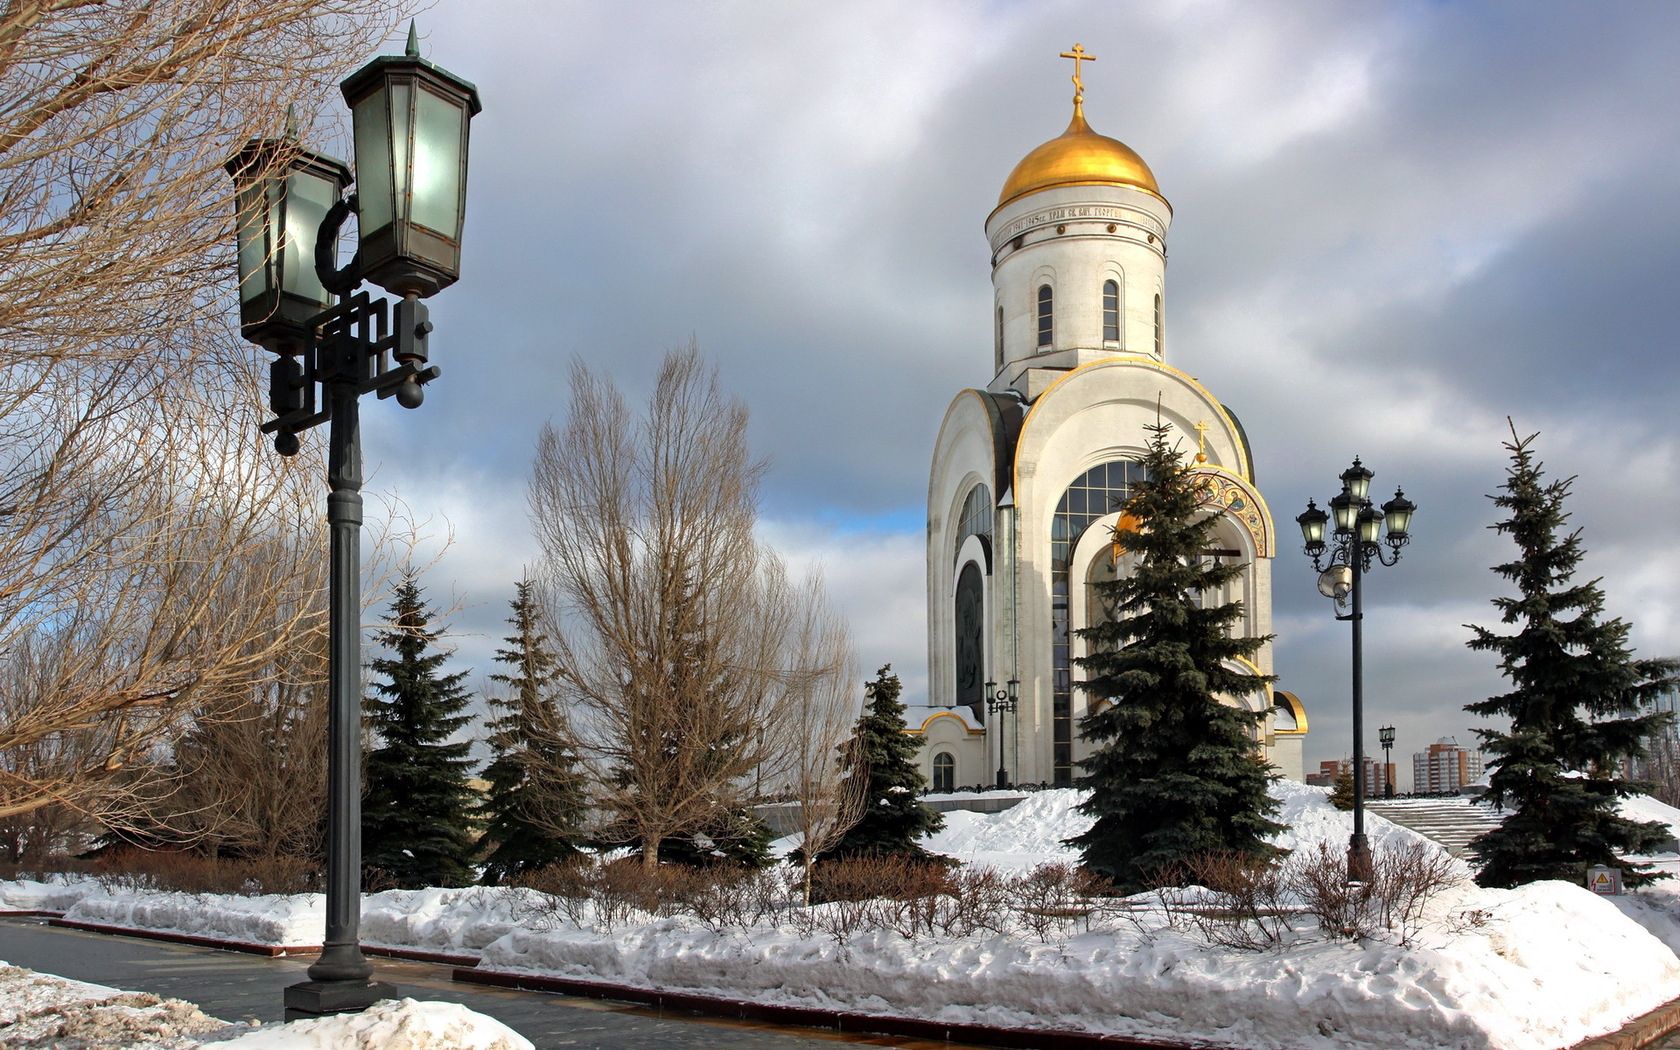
column 239, row 987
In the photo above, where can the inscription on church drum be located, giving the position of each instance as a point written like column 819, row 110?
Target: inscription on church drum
column 1050, row 216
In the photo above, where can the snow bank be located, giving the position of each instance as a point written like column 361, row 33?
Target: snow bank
column 445, row 920
column 402, row 1024
column 291, row 920
column 1546, row 965
column 1543, row 966
column 57, row 895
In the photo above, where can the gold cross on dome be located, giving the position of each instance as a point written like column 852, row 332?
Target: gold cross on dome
column 1201, row 441
column 1078, row 55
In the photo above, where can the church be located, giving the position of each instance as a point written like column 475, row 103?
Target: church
column 1030, row 471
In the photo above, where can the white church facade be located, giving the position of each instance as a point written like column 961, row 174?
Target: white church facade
column 1029, row 471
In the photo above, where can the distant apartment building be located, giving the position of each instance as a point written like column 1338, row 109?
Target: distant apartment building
column 1374, row 771
column 1444, row 767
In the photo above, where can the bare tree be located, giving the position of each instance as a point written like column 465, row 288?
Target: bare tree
column 137, row 506
column 831, row 791
column 677, row 632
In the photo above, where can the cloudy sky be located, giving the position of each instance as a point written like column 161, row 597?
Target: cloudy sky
column 1394, row 225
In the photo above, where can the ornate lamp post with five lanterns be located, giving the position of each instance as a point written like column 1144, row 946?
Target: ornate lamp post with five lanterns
column 1355, row 543
column 411, row 122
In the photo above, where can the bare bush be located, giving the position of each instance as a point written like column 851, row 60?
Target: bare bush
column 1247, row 904
column 1318, row 878
column 1404, row 879
column 561, row 889
column 175, row 871
column 1056, row 898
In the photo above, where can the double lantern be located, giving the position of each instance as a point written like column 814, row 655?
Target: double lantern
column 411, row 121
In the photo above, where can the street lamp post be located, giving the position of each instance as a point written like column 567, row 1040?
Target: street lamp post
column 1352, row 548
column 411, row 123
column 1001, row 702
column 1385, row 737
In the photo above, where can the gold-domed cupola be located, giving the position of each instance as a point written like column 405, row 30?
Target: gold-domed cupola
column 1079, row 255
column 1078, row 156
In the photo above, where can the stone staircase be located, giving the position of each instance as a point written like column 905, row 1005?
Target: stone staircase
column 1452, row 822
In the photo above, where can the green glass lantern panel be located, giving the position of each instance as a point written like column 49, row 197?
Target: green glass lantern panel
column 374, row 190
column 308, row 197
column 437, row 163
column 258, row 213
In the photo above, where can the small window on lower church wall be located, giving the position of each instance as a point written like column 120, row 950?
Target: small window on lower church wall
column 944, row 772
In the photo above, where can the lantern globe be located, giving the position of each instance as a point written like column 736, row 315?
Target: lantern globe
column 1398, row 511
column 411, row 123
column 1345, row 510
column 282, row 192
column 1356, row 481
column 1370, row 525
column 1312, row 522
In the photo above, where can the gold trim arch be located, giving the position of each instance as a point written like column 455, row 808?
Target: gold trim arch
column 1239, row 501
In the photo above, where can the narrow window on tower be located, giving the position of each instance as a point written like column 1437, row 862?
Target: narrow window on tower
column 1160, row 321
column 997, row 340
column 1111, row 311
column 1044, row 315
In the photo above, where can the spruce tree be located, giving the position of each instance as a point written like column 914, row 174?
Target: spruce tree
column 894, row 818
column 1580, row 704
column 535, row 804
column 1176, row 771
column 1341, row 789
column 417, row 807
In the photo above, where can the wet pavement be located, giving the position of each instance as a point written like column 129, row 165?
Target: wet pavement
column 236, row 987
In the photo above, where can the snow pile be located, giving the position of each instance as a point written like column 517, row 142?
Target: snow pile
column 1545, row 965
column 1644, row 807
column 38, row 1009
column 444, row 920
column 294, row 920
column 402, row 1024
column 1032, row 832
column 56, row 895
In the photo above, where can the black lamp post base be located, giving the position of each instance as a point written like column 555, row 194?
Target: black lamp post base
column 1359, row 859
column 321, row 998
column 1002, row 778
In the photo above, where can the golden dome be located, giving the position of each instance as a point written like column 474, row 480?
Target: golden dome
column 1078, row 157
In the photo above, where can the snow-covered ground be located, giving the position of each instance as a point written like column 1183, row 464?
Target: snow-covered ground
column 38, row 1009
column 1543, row 966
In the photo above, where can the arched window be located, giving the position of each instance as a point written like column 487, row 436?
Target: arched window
column 1160, row 324
column 1097, row 492
column 997, row 340
column 975, row 519
column 944, row 772
column 969, row 621
column 1045, row 312
column 1111, row 311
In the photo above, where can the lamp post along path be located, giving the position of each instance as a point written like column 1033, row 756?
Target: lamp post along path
column 411, row 125
column 1356, row 542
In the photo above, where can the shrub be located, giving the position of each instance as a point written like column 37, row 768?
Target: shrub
column 183, row 872
column 1246, row 905
column 1057, row 897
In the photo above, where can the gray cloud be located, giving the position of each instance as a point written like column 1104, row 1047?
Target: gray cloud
column 1394, row 225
